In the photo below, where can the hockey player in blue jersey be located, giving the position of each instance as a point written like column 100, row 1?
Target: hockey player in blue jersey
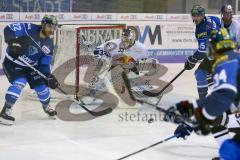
column 203, row 74
column 31, row 42
column 204, row 26
column 210, row 111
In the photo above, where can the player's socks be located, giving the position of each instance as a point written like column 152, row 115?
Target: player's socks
column 13, row 92
column 202, row 92
column 5, row 115
column 44, row 97
column 202, row 83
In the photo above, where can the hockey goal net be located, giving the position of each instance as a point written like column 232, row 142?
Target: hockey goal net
column 74, row 53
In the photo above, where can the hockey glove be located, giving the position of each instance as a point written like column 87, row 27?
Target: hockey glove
column 171, row 115
column 182, row 109
column 190, row 63
column 15, row 49
column 183, row 130
column 52, row 82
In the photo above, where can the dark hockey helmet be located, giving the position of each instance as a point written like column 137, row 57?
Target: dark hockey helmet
column 128, row 37
column 49, row 19
column 220, row 42
column 198, row 10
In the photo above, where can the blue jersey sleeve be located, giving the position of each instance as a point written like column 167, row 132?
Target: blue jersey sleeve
column 224, row 89
column 14, row 31
column 44, row 64
column 217, row 21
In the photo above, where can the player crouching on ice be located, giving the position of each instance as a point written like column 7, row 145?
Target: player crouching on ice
column 126, row 52
column 210, row 111
column 32, row 43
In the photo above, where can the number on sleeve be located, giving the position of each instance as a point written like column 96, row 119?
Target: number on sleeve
column 15, row 26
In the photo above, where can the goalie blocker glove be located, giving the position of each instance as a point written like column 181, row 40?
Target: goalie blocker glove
column 52, row 82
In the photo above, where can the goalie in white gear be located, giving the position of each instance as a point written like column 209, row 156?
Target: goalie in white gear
column 125, row 51
column 232, row 25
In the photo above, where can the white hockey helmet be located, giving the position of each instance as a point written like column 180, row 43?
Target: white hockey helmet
column 128, row 38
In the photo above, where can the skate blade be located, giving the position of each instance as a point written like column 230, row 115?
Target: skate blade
column 52, row 117
column 6, row 122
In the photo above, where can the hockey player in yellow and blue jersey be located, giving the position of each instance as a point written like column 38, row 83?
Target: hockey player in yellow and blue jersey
column 33, row 43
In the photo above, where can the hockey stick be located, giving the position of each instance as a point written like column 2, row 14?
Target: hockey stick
column 151, row 94
column 127, row 83
column 148, row 147
column 99, row 113
column 128, row 86
column 96, row 114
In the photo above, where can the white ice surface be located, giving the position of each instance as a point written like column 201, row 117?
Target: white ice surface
column 35, row 137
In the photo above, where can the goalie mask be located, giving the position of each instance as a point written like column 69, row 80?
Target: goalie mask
column 128, row 38
column 220, row 42
column 227, row 14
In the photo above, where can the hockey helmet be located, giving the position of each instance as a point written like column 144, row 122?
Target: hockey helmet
column 227, row 8
column 49, row 19
column 227, row 14
column 128, row 37
column 220, row 42
column 198, row 10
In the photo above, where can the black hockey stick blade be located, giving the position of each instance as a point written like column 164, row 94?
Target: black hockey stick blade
column 152, row 94
column 81, row 104
column 98, row 113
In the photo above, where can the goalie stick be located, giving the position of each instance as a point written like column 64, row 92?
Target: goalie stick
column 128, row 86
column 151, row 94
column 178, row 118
